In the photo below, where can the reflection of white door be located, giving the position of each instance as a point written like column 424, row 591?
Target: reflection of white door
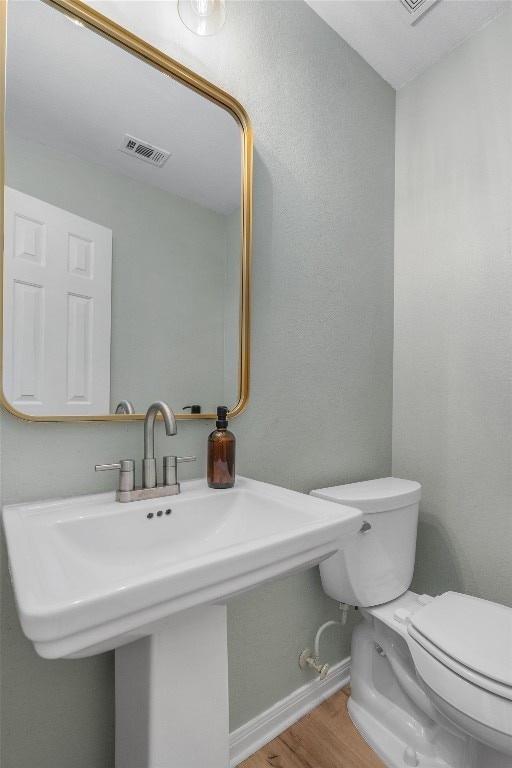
column 57, row 305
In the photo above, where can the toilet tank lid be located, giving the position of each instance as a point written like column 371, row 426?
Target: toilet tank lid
column 475, row 632
column 370, row 496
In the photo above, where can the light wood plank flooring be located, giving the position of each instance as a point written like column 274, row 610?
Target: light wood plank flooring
column 325, row 738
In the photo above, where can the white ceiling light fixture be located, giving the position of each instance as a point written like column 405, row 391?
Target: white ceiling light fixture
column 204, row 17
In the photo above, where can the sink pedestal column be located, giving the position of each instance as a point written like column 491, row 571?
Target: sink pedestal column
column 172, row 694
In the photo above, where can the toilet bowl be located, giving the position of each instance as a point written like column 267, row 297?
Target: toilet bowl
column 431, row 678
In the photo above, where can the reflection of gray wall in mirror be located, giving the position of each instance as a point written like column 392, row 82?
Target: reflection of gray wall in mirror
column 173, row 264
column 232, row 308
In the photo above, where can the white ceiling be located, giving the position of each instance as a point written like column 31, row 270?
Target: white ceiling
column 381, row 32
column 71, row 90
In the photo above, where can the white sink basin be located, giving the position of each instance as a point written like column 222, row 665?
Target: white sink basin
column 91, row 574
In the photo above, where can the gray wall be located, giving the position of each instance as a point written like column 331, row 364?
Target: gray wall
column 452, row 369
column 169, row 265
column 320, row 404
column 232, row 308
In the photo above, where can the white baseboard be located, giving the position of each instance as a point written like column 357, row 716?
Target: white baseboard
column 260, row 730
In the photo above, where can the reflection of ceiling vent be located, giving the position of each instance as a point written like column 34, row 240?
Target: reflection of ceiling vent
column 416, row 8
column 143, row 150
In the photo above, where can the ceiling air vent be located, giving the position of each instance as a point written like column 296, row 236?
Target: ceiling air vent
column 416, row 8
column 143, row 150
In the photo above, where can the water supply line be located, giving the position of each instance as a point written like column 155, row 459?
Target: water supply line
column 319, row 634
column 310, row 660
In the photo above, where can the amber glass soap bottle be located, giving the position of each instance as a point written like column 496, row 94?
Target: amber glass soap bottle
column 221, row 453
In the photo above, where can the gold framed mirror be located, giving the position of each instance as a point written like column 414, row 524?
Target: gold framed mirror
column 127, row 224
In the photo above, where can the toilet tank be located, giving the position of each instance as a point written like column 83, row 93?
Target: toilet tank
column 378, row 564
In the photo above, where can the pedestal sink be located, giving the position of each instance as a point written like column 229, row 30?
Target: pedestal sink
column 152, row 579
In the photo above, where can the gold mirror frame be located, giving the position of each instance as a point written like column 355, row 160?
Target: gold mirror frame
column 152, row 56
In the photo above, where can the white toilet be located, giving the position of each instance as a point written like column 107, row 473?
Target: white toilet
column 431, row 677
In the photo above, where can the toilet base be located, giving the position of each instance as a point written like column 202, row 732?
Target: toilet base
column 392, row 750
column 393, row 713
column 387, row 745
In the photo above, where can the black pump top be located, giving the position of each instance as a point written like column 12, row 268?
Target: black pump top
column 193, row 408
column 222, row 417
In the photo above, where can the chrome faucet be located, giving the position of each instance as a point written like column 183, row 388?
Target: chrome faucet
column 150, row 489
column 149, row 461
column 125, row 406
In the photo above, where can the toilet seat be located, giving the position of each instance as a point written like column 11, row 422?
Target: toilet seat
column 486, row 683
column 452, row 663
column 470, row 636
column 478, row 711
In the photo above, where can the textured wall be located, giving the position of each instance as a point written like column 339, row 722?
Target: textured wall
column 320, row 405
column 452, row 367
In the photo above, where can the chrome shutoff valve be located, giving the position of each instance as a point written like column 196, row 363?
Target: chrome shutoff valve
column 307, row 660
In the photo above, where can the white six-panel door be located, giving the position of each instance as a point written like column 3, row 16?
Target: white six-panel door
column 57, row 309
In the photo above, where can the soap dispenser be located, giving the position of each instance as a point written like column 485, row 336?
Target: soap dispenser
column 221, row 453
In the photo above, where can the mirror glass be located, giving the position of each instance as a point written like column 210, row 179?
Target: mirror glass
column 126, row 226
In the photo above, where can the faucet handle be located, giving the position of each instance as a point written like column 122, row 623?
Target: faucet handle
column 170, row 464
column 126, row 474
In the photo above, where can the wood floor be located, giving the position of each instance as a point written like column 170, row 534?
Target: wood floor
column 325, row 738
